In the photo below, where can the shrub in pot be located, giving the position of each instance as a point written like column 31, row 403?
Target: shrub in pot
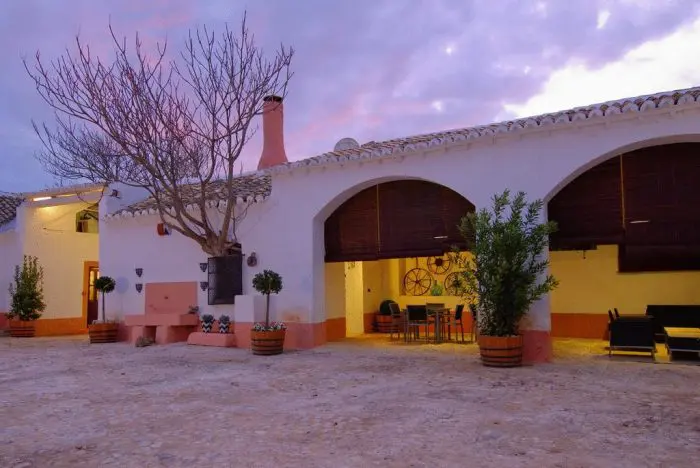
column 224, row 323
column 506, row 273
column 207, row 323
column 27, row 303
column 267, row 338
column 104, row 331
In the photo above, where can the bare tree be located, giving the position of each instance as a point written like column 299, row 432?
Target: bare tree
column 174, row 127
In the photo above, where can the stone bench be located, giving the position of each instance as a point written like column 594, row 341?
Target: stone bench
column 161, row 328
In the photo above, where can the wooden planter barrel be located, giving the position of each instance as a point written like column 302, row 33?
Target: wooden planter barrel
column 267, row 343
column 384, row 324
column 501, row 351
column 22, row 328
column 103, row 332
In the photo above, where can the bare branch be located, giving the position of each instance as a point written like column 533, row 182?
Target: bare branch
column 175, row 127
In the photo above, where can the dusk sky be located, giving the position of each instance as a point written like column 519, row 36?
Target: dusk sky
column 377, row 69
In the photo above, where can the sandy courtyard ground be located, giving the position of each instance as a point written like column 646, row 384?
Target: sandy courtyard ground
column 353, row 404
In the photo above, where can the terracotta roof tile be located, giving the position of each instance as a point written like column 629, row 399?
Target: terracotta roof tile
column 8, row 208
column 373, row 150
column 246, row 188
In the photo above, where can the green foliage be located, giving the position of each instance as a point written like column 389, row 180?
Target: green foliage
column 27, row 291
column 224, row 319
column 105, row 285
column 436, row 289
column 504, row 277
column 268, row 282
column 207, row 318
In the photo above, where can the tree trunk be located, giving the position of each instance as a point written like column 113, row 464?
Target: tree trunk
column 267, row 311
column 103, row 308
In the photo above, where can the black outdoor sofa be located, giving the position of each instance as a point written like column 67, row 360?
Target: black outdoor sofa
column 631, row 333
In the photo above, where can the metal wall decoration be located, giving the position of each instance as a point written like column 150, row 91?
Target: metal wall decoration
column 139, row 272
column 139, row 287
column 439, row 265
column 454, row 284
column 203, row 266
column 252, row 259
column 203, row 285
column 417, row 282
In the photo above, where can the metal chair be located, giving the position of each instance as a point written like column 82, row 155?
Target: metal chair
column 398, row 321
column 457, row 322
column 416, row 316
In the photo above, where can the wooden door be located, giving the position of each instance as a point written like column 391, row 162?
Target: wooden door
column 92, row 303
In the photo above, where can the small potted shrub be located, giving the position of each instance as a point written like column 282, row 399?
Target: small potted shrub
column 506, row 273
column 224, row 323
column 27, row 298
column 104, row 331
column 267, row 338
column 207, row 323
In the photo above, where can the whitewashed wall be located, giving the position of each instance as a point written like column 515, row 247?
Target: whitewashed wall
column 287, row 229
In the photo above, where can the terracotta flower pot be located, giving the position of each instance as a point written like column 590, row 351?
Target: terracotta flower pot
column 22, row 328
column 103, row 332
column 267, row 343
column 501, row 351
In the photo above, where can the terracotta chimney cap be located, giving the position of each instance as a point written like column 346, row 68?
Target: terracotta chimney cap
column 273, row 153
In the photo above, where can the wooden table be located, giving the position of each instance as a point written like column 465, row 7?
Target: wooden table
column 684, row 340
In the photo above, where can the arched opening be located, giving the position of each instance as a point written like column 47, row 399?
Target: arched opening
column 389, row 241
column 629, row 236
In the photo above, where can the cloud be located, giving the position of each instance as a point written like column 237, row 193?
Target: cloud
column 369, row 69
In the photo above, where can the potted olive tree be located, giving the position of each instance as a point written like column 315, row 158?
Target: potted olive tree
column 27, row 295
column 104, row 331
column 267, row 338
column 506, row 272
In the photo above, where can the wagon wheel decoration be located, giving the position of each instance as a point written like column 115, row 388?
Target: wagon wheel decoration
column 417, row 282
column 439, row 265
column 454, row 284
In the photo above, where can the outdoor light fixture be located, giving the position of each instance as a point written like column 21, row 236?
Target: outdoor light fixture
column 440, row 237
column 203, row 285
column 640, row 221
column 41, row 198
column 139, row 287
column 203, row 266
column 139, row 272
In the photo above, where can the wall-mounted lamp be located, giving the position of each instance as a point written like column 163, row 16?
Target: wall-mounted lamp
column 203, row 267
column 252, row 259
column 203, row 285
column 139, row 287
column 162, row 229
column 139, row 272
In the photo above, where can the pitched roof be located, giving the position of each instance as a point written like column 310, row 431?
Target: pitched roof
column 8, row 207
column 374, row 150
column 246, row 188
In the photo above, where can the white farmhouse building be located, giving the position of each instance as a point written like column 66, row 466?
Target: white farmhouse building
column 357, row 225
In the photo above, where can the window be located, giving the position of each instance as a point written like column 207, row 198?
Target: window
column 225, row 276
column 87, row 220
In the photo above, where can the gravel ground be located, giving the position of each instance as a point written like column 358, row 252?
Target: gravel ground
column 353, row 404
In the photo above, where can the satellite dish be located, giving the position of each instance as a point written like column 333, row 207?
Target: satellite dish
column 346, row 144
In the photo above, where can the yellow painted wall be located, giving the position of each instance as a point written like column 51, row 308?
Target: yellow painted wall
column 50, row 235
column 404, row 299
column 10, row 255
column 354, row 301
column 592, row 285
column 335, row 290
